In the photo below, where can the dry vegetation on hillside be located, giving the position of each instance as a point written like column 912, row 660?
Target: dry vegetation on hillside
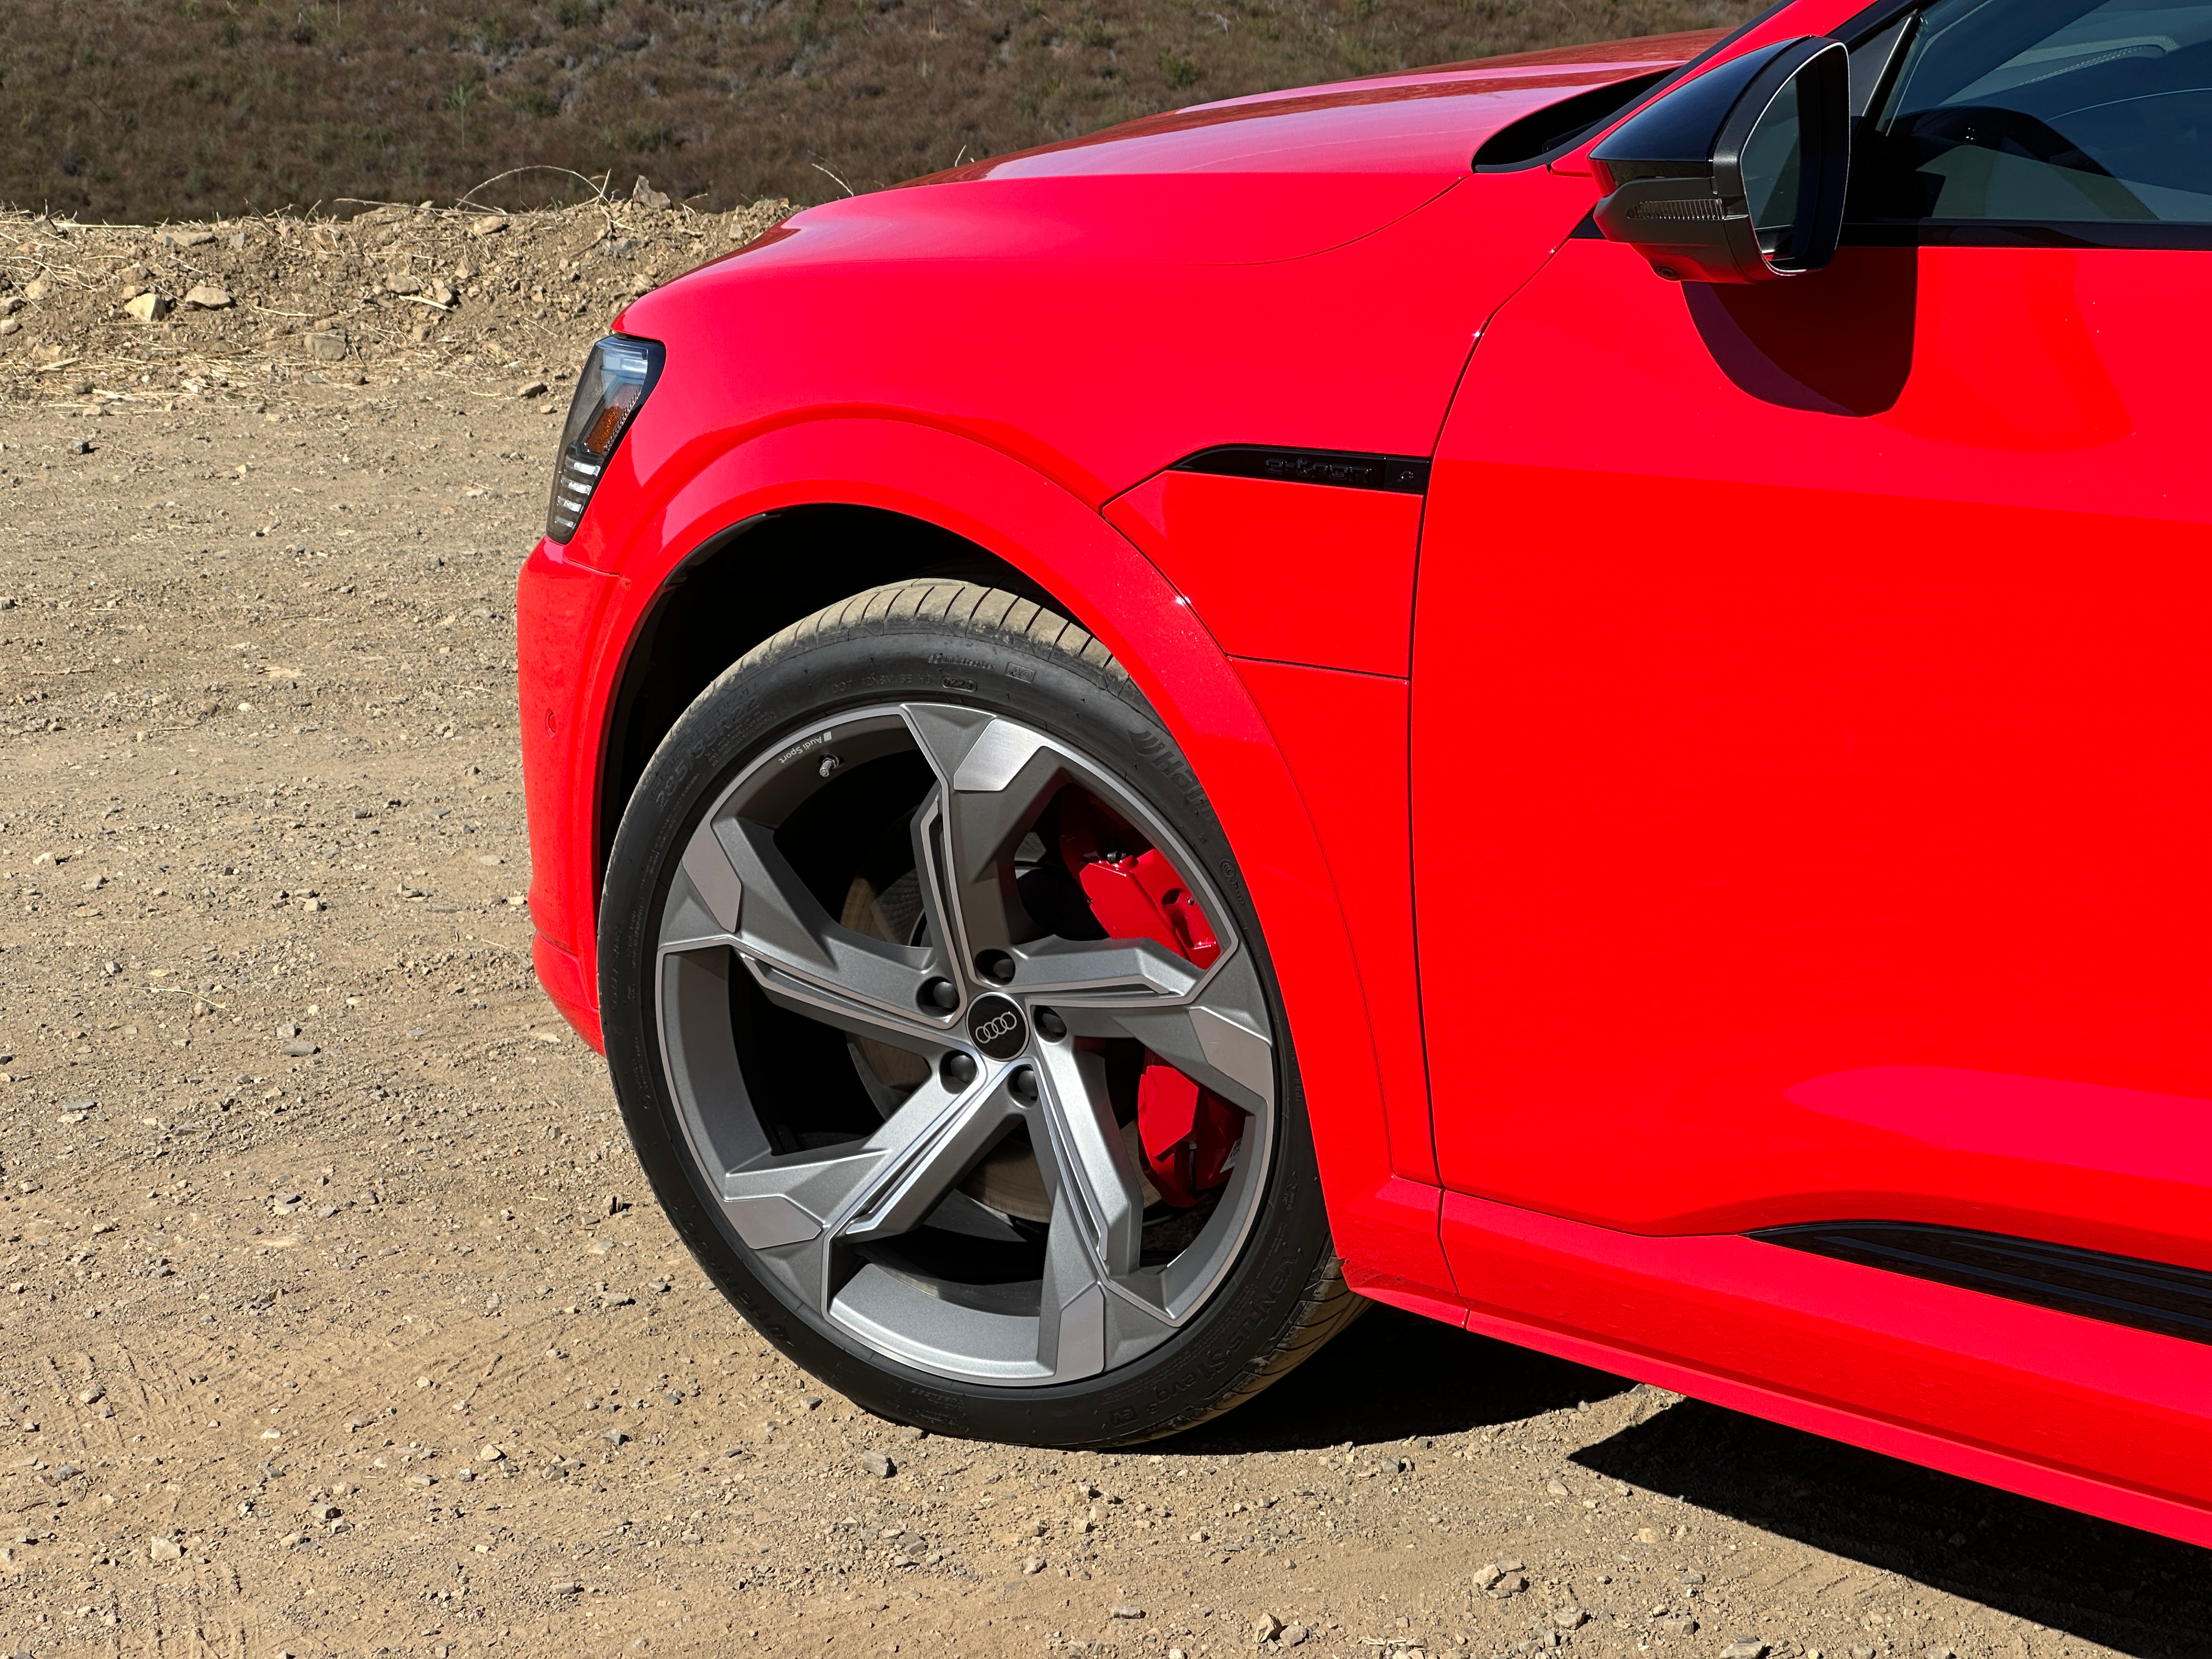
column 150, row 109
column 491, row 301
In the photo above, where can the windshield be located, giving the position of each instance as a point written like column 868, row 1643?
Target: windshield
column 2047, row 112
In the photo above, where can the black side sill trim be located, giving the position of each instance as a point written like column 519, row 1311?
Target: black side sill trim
column 2119, row 1290
column 1346, row 469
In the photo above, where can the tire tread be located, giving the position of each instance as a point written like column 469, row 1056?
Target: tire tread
column 991, row 614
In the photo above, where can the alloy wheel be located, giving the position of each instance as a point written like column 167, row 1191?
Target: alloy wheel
column 965, row 1044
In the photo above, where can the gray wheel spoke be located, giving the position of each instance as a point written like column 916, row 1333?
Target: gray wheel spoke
column 1052, row 969
column 1096, row 1194
column 742, row 893
column 806, row 1206
column 1215, row 1035
column 998, row 774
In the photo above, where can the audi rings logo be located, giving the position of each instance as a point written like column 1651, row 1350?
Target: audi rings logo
column 997, row 1026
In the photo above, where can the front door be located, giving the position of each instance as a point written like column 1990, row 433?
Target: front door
column 1813, row 684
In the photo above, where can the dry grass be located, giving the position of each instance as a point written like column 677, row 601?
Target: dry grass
column 393, row 291
column 146, row 109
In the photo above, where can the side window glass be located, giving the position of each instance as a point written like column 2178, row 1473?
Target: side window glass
column 2047, row 112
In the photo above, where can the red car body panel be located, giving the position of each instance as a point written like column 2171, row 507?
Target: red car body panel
column 1761, row 782
column 1886, row 886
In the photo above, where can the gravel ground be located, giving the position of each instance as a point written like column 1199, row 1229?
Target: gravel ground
column 334, row 1318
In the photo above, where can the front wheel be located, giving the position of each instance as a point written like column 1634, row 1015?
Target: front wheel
column 944, row 1031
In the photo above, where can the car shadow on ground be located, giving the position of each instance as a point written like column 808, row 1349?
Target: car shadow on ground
column 1395, row 1376
column 2132, row 1591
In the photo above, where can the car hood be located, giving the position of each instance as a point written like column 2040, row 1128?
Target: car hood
column 1278, row 176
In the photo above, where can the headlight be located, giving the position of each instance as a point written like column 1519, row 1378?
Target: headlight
column 617, row 377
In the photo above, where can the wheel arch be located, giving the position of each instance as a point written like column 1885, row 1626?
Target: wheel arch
column 737, row 588
column 785, row 522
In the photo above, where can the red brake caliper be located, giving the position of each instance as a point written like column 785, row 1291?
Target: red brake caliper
column 1187, row 1131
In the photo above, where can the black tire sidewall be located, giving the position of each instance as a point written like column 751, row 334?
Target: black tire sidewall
column 749, row 711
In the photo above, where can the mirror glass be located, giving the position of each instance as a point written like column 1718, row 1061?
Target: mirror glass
column 1773, row 169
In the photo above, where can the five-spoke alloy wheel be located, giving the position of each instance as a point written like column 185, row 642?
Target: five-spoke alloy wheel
column 947, row 1035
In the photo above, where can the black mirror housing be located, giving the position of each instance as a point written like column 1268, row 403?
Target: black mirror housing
column 1738, row 176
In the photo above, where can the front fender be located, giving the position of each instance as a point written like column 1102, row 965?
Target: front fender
column 1103, row 582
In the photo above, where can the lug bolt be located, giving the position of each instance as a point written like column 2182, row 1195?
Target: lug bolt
column 1023, row 1085
column 1049, row 1024
column 995, row 965
column 938, row 994
column 958, row 1071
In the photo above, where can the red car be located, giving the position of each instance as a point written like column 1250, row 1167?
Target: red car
column 1572, row 692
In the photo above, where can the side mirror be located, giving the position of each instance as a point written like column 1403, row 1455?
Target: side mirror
column 1737, row 176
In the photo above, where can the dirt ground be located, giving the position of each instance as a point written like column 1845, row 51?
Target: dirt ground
column 335, row 1320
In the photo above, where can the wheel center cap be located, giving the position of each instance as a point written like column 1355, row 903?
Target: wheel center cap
column 997, row 1026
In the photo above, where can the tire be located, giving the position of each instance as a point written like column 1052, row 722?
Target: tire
column 969, row 1155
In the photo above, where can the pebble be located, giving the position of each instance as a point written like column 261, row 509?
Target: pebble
column 530, row 389
column 300, row 1050
column 147, row 307
column 491, row 1455
column 616, row 1436
column 1293, row 1635
column 1267, row 1629
column 1032, row 1563
column 206, row 296
column 1744, row 1647
column 1570, row 1618
column 1124, row 1610
column 164, row 1549
column 490, row 225
column 876, row 1464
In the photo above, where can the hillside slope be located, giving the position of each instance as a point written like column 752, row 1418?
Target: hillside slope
column 146, row 109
